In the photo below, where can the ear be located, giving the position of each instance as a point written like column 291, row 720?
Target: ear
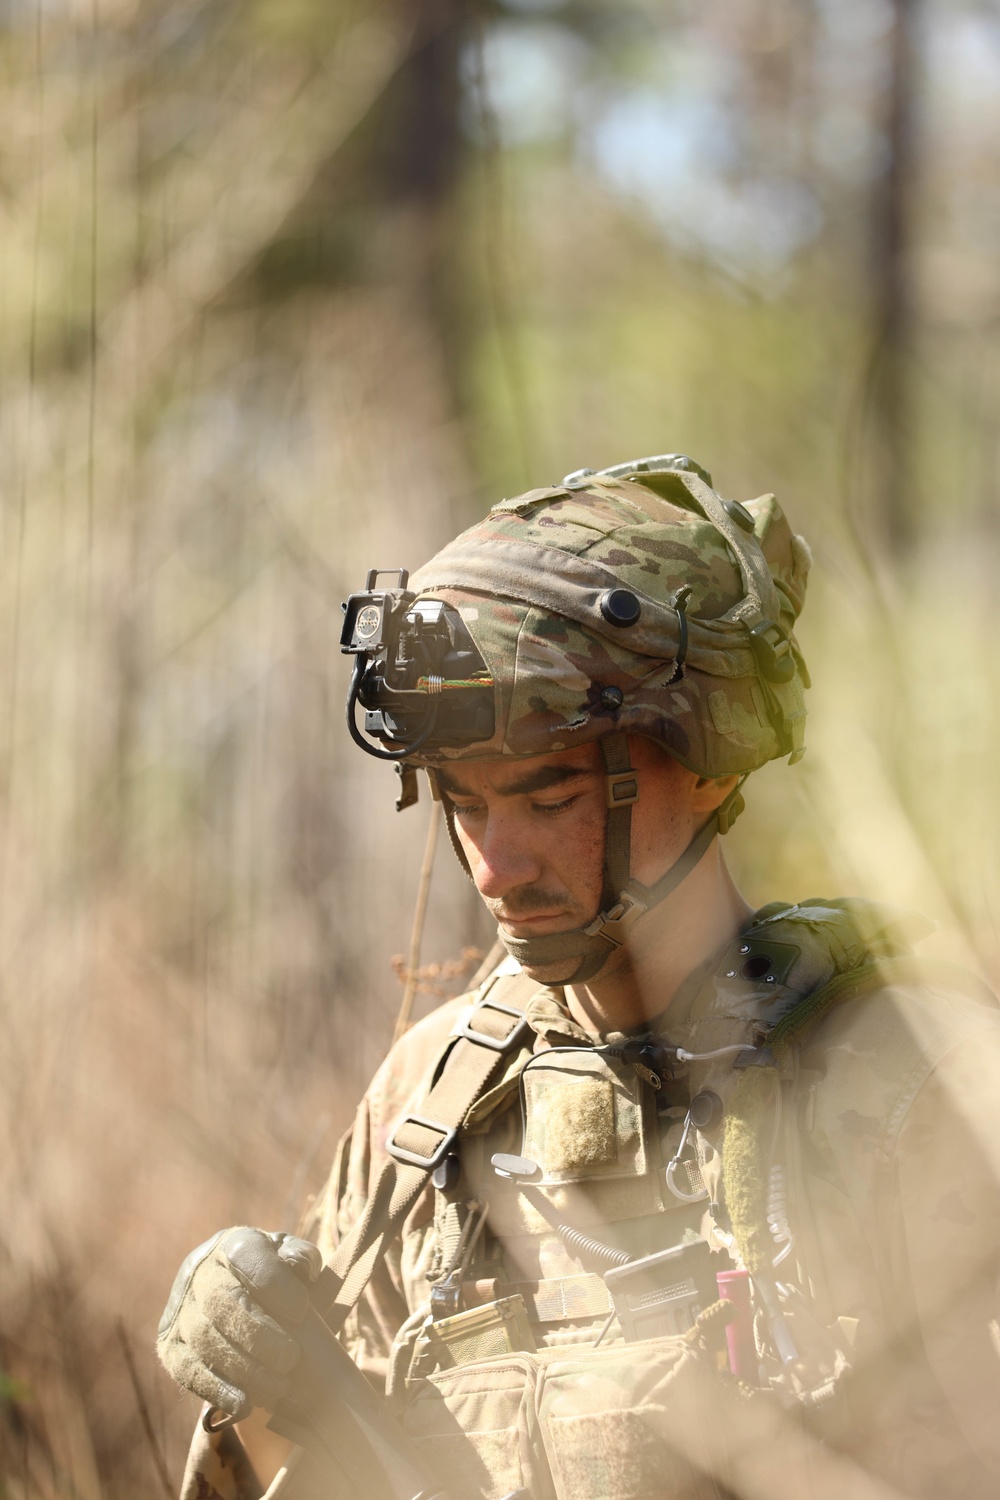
column 711, row 791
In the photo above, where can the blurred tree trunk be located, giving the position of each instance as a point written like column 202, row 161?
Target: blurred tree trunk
column 377, row 216
column 380, row 212
column 379, row 237
column 893, row 309
column 421, row 166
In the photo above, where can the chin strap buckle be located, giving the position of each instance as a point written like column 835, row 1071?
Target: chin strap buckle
column 615, row 925
column 622, row 788
column 728, row 811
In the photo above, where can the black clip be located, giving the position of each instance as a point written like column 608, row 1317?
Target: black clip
column 678, row 602
column 409, row 790
column 774, row 658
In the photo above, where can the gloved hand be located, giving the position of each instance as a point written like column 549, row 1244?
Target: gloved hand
column 227, row 1331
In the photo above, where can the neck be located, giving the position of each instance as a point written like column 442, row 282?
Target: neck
column 636, row 986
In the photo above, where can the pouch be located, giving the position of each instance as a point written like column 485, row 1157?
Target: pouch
column 632, row 1422
column 477, row 1428
column 626, row 1422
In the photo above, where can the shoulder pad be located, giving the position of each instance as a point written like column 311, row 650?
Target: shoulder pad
column 855, row 926
column 789, row 952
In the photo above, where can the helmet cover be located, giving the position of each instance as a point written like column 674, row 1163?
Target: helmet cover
column 640, row 604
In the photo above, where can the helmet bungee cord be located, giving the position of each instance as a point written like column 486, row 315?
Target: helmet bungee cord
column 406, row 750
column 632, row 600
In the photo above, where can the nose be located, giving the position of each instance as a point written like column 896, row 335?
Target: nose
column 501, row 856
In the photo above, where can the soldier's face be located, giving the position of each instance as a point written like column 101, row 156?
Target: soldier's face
column 533, row 830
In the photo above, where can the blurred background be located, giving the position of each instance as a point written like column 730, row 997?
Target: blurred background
column 294, row 288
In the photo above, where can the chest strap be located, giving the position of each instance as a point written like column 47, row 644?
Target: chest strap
column 493, row 1029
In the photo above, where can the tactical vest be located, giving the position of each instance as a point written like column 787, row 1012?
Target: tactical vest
column 541, row 1362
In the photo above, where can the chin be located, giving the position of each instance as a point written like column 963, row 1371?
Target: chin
column 557, row 975
column 551, row 974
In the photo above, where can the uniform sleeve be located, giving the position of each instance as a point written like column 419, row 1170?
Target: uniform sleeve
column 218, row 1468
column 369, row 1330
column 399, row 1283
column 948, row 1175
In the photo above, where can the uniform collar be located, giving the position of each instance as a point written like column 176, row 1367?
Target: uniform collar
column 547, row 1012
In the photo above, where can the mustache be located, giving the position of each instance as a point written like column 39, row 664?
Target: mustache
column 525, row 901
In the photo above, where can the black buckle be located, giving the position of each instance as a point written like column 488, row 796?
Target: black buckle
column 773, row 657
column 413, row 1158
column 495, row 1044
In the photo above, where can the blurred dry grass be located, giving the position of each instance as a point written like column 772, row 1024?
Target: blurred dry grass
column 247, row 352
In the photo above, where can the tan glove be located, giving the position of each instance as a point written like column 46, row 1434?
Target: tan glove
column 227, row 1331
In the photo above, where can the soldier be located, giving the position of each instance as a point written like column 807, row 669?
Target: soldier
column 683, row 1199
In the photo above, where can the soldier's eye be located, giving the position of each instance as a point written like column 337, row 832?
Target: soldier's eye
column 555, row 807
column 469, row 809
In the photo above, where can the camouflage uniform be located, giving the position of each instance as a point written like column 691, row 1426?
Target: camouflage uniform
column 890, row 1146
column 853, row 1172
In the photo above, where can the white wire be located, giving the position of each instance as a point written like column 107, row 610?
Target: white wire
column 777, row 1214
column 683, row 1056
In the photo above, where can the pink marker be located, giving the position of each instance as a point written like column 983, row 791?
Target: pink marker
column 734, row 1287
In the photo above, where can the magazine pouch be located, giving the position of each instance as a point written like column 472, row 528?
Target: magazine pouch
column 477, row 1428
column 626, row 1422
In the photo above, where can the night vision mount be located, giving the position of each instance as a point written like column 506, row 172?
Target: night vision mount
column 417, row 672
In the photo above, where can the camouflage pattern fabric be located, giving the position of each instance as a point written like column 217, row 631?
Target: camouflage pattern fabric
column 527, row 581
column 890, row 1128
column 856, row 1173
column 217, row 1468
column 889, row 1137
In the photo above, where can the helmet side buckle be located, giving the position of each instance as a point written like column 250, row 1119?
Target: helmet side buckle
column 772, row 652
column 616, row 924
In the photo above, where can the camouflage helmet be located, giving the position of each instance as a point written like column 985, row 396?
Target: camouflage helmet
column 633, row 600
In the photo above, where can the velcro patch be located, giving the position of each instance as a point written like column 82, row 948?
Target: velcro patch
column 576, row 1124
column 585, row 1116
column 722, row 715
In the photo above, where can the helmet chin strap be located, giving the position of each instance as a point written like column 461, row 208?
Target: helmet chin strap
column 624, row 901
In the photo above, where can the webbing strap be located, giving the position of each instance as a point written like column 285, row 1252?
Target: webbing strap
column 612, row 926
column 494, row 1028
column 622, row 792
column 760, row 594
column 721, row 821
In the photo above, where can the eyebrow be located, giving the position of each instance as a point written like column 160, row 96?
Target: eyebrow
column 535, row 781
